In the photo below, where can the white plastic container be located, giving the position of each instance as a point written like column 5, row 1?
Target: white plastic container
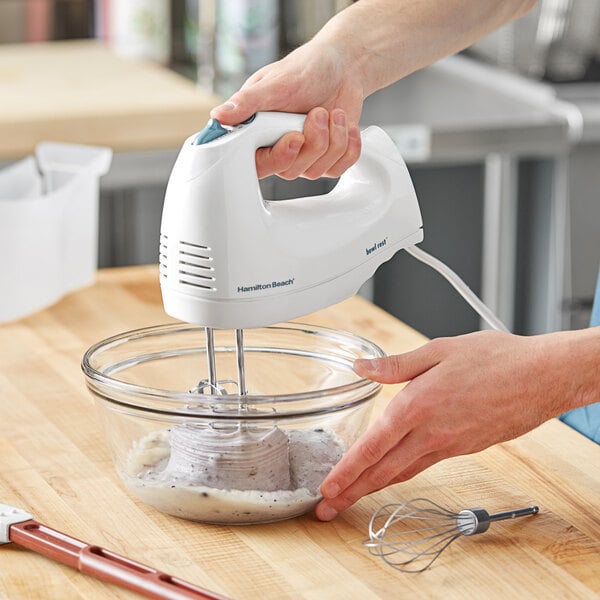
column 48, row 225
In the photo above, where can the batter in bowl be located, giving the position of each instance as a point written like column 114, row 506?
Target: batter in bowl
column 239, row 474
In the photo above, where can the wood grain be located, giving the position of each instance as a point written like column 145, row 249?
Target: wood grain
column 80, row 92
column 55, row 464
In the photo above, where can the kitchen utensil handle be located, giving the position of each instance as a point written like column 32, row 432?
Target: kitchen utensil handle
column 513, row 514
column 104, row 564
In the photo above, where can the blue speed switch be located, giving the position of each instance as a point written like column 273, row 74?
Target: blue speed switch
column 212, row 131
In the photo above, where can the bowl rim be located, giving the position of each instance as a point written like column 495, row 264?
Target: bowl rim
column 96, row 377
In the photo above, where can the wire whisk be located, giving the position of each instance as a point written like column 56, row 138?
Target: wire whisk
column 411, row 535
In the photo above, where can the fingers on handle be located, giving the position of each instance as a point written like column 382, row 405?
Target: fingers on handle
column 327, row 148
column 350, row 156
column 316, row 143
column 342, row 150
column 279, row 157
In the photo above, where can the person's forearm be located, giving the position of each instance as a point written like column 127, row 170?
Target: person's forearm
column 385, row 40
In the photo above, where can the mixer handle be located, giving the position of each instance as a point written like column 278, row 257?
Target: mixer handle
column 379, row 167
column 266, row 128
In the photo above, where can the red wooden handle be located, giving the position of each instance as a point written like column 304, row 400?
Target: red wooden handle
column 104, row 564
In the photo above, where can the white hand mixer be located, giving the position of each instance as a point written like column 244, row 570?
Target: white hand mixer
column 231, row 259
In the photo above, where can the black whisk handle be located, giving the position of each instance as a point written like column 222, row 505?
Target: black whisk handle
column 477, row 520
column 513, row 514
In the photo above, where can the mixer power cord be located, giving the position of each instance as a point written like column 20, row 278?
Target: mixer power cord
column 459, row 285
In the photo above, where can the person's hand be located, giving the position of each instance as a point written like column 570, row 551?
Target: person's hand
column 314, row 80
column 465, row 394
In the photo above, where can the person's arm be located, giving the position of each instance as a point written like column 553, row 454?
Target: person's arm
column 464, row 394
column 382, row 41
column 363, row 48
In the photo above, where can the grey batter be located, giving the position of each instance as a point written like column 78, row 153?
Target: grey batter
column 237, row 474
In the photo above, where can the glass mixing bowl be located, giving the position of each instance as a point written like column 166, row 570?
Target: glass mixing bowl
column 230, row 458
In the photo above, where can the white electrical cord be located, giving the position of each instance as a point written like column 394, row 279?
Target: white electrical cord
column 459, row 285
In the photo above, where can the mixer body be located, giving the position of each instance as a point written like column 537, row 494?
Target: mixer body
column 231, row 259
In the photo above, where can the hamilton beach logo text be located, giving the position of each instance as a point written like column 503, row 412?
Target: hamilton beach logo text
column 265, row 286
column 376, row 246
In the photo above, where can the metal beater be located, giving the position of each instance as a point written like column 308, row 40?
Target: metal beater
column 411, row 535
column 212, row 385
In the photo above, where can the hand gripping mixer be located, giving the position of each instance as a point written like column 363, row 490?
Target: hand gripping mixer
column 230, row 259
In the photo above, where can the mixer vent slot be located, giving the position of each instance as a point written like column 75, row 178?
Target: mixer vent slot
column 195, row 266
column 163, row 253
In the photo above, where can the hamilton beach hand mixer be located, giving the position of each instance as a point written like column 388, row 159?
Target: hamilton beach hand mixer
column 230, row 259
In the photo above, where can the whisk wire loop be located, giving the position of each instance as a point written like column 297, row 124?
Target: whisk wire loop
column 411, row 536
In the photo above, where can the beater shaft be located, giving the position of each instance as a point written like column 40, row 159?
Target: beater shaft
column 210, row 358
column 214, row 385
column 241, row 366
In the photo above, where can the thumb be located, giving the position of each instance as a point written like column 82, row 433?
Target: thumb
column 397, row 368
column 229, row 113
column 240, row 107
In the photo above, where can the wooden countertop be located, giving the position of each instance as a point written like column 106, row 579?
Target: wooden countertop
column 54, row 463
column 81, row 92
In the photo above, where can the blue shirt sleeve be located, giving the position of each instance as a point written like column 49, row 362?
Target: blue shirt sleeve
column 586, row 420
